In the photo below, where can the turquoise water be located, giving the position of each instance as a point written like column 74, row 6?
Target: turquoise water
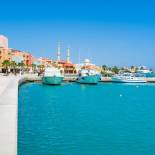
column 74, row 119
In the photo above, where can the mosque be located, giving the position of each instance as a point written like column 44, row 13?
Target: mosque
column 66, row 65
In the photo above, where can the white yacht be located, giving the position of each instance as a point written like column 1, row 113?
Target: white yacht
column 88, row 73
column 88, row 76
column 148, row 73
column 144, row 71
column 52, row 76
column 128, row 78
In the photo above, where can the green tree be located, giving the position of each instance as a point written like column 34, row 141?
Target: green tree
column 115, row 70
column 6, row 65
column 104, row 67
column 141, row 68
column 33, row 67
column 41, row 67
column 13, row 66
column 21, row 65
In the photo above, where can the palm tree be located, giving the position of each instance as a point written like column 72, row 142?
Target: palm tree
column 13, row 66
column 34, row 68
column 6, row 65
column 133, row 69
column 115, row 69
column 21, row 65
column 104, row 67
column 141, row 68
column 41, row 67
column 136, row 69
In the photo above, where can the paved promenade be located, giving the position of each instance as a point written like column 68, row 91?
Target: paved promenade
column 8, row 115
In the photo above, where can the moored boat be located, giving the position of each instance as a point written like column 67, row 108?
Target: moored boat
column 52, row 76
column 146, row 73
column 88, row 77
column 128, row 78
column 89, row 74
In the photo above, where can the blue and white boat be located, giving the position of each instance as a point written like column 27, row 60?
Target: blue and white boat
column 146, row 72
column 87, row 76
column 128, row 78
column 52, row 76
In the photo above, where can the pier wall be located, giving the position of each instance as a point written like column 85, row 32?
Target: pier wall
column 8, row 115
column 9, row 111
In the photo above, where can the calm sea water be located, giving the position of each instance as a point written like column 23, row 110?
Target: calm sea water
column 74, row 119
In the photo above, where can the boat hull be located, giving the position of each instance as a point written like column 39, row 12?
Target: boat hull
column 53, row 80
column 128, row 80
column 91, row 79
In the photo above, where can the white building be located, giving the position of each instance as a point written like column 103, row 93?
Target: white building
column 3, row 41
column 85, row 63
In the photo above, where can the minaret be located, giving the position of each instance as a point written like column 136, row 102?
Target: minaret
column 68, row 55
column 58, row 53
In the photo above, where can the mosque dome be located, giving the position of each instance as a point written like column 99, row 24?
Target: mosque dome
column 86, row 61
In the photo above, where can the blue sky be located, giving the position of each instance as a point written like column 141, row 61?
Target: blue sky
column 112, row 32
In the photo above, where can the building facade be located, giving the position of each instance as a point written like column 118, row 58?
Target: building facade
column 3, row 42
column 46, row 61
column 20, row 56
column 5, row 54
column 27, row 59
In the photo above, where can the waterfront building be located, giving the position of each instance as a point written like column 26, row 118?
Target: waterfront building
column 42, row 61
column 3, row 42
column 36, row 61
column 66, row 65
column 87, row 65
column 27, row 59
column 4, row 55
column 17, row 56
column 4, row 50
column 45, row 61
column 21, row 56
column 68, row 68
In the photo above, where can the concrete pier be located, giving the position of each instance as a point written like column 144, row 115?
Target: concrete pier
column 151, row 80
column 9, row 110
column 8, row 115
column 106, row 79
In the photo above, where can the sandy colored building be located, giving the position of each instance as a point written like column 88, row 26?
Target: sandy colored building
column 5, row 54
column 45, row 61
column 27, row 59
column 36, row 61
column 87, row 65
column 20, row 56
column 4, row 50
column 68, row 67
